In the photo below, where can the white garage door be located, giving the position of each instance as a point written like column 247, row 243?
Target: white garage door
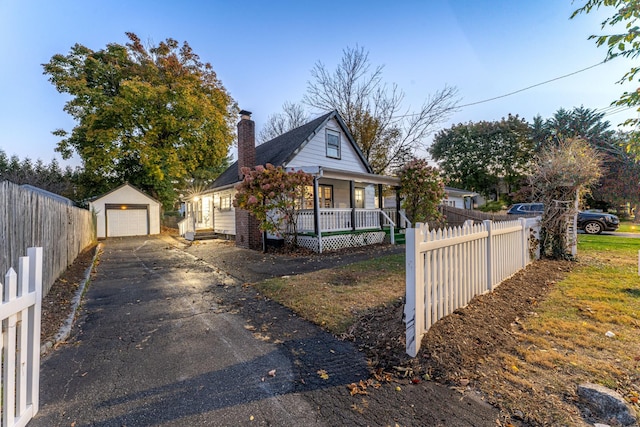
column 127, row 222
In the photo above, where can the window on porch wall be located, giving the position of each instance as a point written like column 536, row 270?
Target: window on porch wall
column 359, row 198
column 325, row 195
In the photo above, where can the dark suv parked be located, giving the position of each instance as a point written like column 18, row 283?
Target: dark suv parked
column 597, row 222
column 526, row 209
column 589, row 222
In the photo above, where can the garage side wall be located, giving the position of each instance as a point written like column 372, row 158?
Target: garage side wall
column 123, row 196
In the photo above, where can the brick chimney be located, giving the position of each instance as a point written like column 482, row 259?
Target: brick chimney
column 248, row 233
column 246, row 142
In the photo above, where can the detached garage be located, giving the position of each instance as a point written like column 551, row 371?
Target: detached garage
column 126, row 211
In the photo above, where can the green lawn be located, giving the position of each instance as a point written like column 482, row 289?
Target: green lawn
column 629, row 227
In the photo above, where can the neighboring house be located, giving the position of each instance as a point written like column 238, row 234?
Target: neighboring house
column 341, row 209
column 126, row 211
column 462, row 199
column 455, row 197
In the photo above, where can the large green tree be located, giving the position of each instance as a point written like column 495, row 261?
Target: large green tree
column 485, row 156
column 580, row 122
column 623, row 41
column 154, row 116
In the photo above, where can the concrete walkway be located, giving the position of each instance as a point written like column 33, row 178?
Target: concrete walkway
column 152, row 348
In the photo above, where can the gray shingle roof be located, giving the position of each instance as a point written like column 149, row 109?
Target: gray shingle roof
column 281, row 149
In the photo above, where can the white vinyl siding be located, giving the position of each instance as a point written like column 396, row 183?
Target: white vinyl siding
column 370, row 201
column 314, row 153
column 225, row 213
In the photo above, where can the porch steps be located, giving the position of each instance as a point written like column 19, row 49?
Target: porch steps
column 398, row 236
column 205, row 235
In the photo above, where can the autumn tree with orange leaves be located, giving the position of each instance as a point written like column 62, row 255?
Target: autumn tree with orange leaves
column 154, row 116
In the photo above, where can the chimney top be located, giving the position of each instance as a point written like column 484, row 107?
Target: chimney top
column 244, row 114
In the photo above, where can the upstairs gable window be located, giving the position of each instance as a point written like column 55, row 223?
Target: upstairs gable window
column 333, row 144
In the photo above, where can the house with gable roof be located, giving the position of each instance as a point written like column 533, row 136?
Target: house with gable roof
column 343, row 208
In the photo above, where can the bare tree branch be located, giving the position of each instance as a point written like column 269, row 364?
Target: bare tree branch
column 373, row 110
column 291, row 117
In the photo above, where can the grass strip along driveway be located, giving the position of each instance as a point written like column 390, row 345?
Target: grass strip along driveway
column 586, row 329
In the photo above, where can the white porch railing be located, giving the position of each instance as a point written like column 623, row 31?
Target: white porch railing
column 187, row 225
column 367, row 218
column 341, row 220
column 391, row 213
column 335, row 219
column 20, row 311
column 446, row 268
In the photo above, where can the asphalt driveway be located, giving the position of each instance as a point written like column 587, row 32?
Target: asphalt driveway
column 167, row 339
column 152, row 348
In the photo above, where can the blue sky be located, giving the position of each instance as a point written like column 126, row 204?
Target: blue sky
column 263, row 53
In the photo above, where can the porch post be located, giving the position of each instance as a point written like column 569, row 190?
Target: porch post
column 380, row 204
column 398, row 202
column 316, row 212
column 352, row 201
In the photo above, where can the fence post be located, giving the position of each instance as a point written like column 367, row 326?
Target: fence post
column 33, row 349
column 488, row 226
column 414, row 281
column 525, row 242
column 9, row 353
column 23, row 339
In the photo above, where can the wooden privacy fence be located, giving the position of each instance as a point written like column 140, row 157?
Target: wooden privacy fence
column 446, row 268
column 456, row 216
column 30, row 218
column 20, row 310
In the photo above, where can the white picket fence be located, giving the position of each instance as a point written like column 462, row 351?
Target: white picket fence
column 446, row 268
column 20, row 312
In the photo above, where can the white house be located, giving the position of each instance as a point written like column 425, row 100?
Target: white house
column 344, row 207
column 126, row 211
column 462, row 199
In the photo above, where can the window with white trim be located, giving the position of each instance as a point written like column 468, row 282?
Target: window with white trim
column 325, row 196
column 359, row 196
column 225, row 202
column 333, row 144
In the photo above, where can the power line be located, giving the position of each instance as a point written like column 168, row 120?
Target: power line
column 530, row 87
column 511, row 93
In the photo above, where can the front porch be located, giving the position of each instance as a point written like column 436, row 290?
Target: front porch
column 333, row 229
column 341, row 209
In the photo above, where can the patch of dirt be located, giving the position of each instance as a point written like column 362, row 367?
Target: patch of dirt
column 56, row 305
column 454, row 350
